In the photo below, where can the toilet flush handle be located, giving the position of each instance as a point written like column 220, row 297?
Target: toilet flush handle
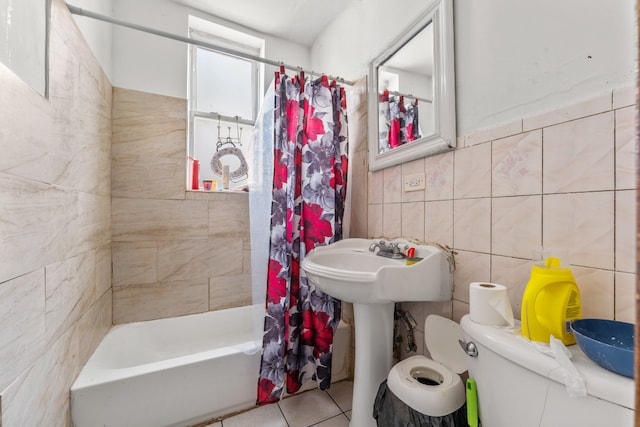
column 469, row 347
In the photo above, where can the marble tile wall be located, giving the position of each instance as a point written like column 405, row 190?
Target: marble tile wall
column 175, row 252
column 563, row 178
column 179, row 252
column 55, row 228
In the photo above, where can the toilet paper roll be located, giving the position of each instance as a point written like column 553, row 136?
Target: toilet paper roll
column 489, row 304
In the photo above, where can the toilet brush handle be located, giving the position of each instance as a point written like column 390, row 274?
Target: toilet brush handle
column 472, row 403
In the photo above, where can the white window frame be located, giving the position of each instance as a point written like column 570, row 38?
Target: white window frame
column 219, row 35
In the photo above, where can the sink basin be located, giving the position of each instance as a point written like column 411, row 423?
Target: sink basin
column 347, row 270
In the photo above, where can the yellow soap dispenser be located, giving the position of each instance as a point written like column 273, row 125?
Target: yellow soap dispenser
column 551, row 300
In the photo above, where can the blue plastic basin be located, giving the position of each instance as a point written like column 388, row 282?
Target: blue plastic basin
column 609, row 343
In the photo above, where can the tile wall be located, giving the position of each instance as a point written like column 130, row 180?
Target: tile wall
column 565, row 178
column 175, row 252
column 55, row 228
column 179, row 252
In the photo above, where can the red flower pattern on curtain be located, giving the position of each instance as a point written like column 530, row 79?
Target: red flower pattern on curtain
column 397, row 124
column 309, row 189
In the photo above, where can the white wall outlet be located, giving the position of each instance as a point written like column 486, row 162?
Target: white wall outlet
column 414, row 182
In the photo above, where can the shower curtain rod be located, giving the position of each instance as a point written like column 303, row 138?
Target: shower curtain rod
column 81, row 12
column 392, row 92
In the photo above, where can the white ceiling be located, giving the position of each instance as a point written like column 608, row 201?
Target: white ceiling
column 300, row 21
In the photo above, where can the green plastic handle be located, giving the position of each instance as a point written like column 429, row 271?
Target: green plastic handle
column 472, row 403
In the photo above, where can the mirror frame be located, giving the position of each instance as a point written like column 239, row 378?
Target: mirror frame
column 440, row 15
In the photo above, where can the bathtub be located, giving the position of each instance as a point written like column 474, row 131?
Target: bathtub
column 179, row 371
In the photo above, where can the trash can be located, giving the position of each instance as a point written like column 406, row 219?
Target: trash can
column 390, row 411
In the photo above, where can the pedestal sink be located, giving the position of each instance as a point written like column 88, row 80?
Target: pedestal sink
column 349, row 271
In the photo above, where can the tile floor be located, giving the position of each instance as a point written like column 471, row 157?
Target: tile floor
column 311, row 408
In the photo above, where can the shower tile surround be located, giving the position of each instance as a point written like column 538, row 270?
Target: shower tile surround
column 179, row 252
column 562, row 178
column 175, row 252
column 55, row 210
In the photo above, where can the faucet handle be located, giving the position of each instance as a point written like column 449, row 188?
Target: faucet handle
column 376, row 244
column 402, row 247
column 398, row 247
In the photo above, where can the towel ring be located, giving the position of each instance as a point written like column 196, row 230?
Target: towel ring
column 240, row 172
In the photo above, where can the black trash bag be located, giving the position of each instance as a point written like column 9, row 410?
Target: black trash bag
column 390, row 411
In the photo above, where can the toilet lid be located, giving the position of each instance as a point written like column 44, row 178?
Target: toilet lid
column 441, row 338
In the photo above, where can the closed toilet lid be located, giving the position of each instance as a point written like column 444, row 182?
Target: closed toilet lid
column 441, row 338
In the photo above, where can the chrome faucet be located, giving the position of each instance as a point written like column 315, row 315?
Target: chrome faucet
column 388, row 249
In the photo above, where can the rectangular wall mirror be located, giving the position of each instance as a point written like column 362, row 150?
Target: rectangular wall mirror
column 23, row 40
column 412, row 92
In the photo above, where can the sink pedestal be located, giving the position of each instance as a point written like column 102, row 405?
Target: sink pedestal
column 350, row 271
column 373, row 359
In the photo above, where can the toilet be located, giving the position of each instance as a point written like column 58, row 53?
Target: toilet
column 433, row 386
column 519, row 385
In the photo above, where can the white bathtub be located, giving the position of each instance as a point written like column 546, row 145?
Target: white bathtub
column 179, row 371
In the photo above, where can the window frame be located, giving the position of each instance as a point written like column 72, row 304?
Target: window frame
column 213, row 35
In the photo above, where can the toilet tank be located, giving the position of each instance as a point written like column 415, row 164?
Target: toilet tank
column 518, row 384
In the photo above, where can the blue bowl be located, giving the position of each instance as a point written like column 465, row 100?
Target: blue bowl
column 607, row 342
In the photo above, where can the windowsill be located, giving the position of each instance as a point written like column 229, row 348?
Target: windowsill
column 217, row 191
column 213, row 195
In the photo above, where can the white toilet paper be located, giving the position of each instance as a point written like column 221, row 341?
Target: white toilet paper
column 489, row 304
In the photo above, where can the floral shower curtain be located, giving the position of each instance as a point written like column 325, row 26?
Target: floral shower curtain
column 397, row 124
column 309, row 190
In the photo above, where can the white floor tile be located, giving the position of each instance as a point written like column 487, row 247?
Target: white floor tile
column 308, row 408
column 342, row 393
column 339, row 421
column 264, row 416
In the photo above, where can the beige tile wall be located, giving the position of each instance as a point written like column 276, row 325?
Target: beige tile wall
column 563, row 178
column 55, row 228
column 175, row 252
column 179, row 252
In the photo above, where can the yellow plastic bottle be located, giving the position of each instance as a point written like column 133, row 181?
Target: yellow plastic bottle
column 550, row 302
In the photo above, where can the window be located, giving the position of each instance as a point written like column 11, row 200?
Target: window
column 224, row 95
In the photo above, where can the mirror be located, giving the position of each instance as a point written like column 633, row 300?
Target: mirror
column 412, row 92
column 23, row 40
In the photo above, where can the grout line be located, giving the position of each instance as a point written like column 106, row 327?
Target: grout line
column 542, row 132
column 330, row 418
column 282, row 413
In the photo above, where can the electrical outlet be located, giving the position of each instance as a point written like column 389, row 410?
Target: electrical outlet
column 414, row 182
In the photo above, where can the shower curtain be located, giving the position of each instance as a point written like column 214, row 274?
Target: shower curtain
column 309, row 189
column 260, row 179
column 397, row 124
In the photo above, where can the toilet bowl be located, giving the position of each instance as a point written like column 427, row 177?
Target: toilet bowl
column 433, row 386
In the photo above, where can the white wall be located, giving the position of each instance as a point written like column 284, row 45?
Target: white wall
column 157, row 65
column 97, row 33
column 513, row 57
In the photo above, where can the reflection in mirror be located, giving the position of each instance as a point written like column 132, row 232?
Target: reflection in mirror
column 412, row 105
column 405, row 88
